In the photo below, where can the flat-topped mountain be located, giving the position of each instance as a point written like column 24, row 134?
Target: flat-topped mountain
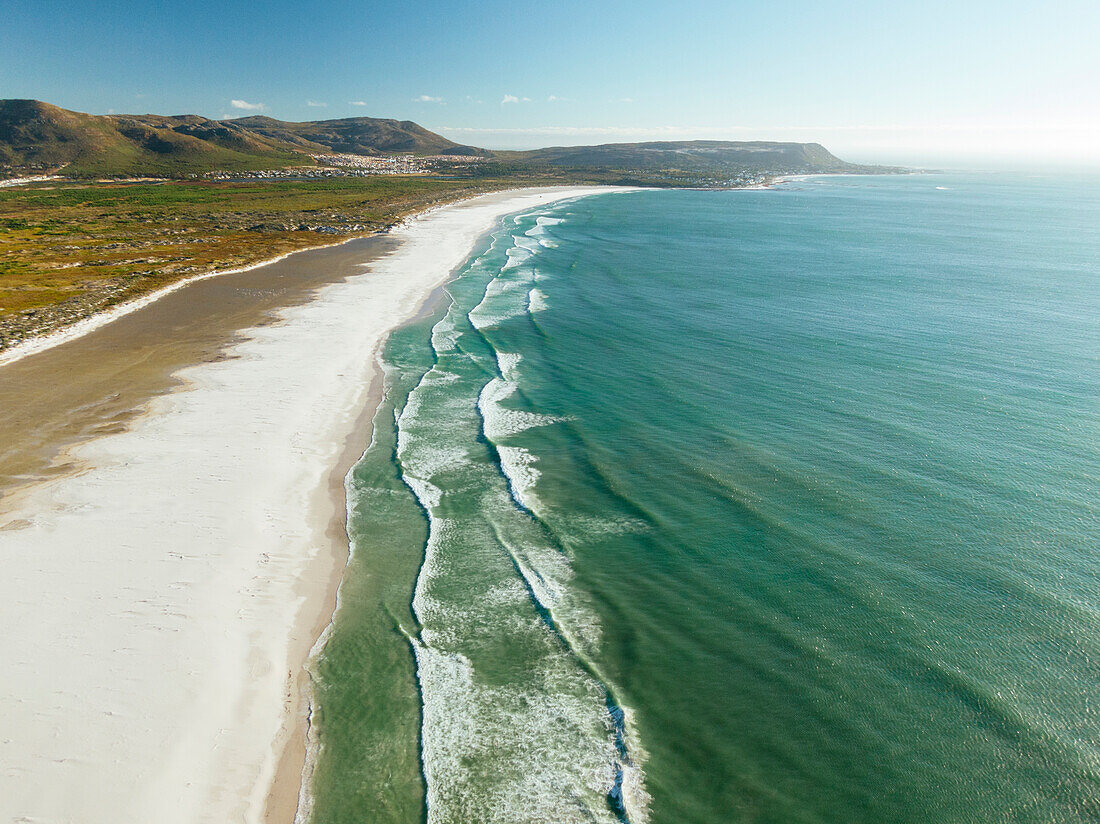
column 695, row 156
column 36, row 135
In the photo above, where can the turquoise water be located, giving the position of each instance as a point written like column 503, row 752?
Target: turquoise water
column 762, row 506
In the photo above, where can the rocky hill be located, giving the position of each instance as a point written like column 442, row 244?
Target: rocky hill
column 358, row 135
column 36, row 136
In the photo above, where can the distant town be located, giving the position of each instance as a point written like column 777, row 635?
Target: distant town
column 354, row 165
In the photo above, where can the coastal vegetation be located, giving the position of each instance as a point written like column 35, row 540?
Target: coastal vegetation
column 128, row 204
column 70, row 249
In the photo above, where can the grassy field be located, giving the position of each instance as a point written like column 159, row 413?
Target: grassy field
column 68, row 250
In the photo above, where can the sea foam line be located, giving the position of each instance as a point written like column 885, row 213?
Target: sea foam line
column 549, row 591
column 425, row 492
column 439, row 670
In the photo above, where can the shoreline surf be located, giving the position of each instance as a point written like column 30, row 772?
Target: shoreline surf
column 509, row 705
column 305, row 395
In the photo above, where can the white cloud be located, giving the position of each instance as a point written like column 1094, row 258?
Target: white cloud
column 555, row 99
column 427, row 98
column 357, row 102
column 314, row 104
column 511, row 98
column 244, row 104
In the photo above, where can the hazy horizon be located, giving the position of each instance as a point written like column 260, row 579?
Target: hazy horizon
column 974, row 84
column 847, row 144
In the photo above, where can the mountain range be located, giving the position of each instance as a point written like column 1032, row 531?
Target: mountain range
column 37, row 137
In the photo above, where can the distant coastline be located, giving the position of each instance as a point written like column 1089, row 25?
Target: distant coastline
column 100, row 210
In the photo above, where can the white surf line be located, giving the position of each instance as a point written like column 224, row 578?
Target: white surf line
column 313, row 744
column 544, row 587
column 627, row 784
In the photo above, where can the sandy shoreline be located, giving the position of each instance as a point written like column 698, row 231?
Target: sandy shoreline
column 42, row 343
column 97, row 382
column 159, row 604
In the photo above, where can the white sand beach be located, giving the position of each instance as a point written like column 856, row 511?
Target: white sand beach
column 157, row 606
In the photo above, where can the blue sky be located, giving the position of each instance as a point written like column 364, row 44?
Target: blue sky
column 967, row 82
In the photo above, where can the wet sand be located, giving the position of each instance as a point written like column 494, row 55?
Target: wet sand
column 95, row 384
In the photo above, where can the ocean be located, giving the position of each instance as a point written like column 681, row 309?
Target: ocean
column 735, row 506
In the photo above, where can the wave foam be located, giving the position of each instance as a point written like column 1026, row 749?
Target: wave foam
column 499, row 422
column 536, row 300
column 518, row 726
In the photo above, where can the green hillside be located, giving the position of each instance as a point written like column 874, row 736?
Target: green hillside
column 358, row 135
column 38, row 137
